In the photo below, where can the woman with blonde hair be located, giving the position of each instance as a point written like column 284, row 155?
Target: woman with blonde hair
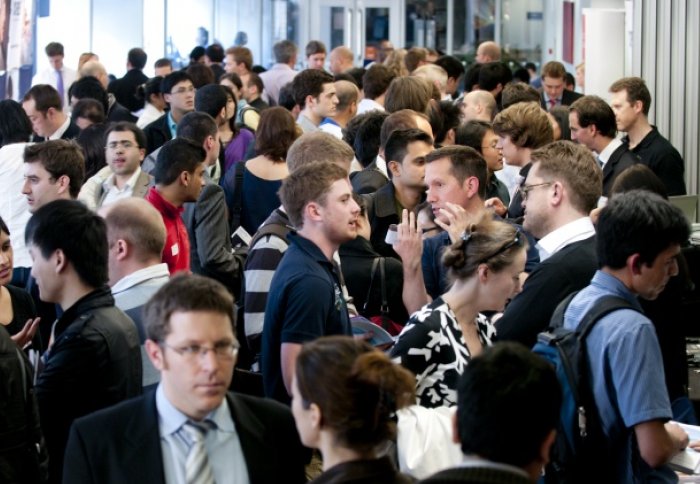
column 442, row 337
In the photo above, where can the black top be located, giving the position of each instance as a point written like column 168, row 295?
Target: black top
column 371, row 471
column 22, row 309
column 516, row 211
column 124, row 89
column 258, row 104
column 381, row 212
column 568, row 270
column 477, row 475
column 157, row 133
column 657, row 153
column 620, row 159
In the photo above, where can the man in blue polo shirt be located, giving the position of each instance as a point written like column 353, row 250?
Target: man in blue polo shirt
column 305, row 299
column 639, row 236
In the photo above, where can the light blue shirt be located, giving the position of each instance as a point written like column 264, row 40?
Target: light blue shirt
column 172, row 125
column 222, row 443
column 627, row 372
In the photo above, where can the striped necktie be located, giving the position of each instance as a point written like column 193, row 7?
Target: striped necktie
column 197, row 468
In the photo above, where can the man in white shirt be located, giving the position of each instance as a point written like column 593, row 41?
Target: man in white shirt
column 375, row 82
column 561, row 189
column 57, row 75
column 125, row 149
column 44, row 107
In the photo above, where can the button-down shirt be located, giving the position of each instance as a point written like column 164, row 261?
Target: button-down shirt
column 222, row 443
column 607, row 152
column 62, row 129
column 557, row 239
column 113, row 193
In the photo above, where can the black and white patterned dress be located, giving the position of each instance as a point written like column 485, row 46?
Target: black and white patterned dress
column 433, row 348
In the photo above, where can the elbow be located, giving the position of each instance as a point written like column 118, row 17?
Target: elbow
column 657, row 455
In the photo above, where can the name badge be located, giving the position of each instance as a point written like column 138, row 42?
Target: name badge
column 175, row 249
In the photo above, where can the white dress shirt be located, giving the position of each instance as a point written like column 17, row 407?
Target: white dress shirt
column 557, row 239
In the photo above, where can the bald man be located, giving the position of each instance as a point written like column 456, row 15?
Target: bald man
column 348, row 96
column 341, row 59
column 478, row 106
column 95, row 69
column 488, row 52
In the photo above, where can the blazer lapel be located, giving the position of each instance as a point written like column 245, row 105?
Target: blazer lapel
column 142, row 184
column 251, row 433
column 142, row 455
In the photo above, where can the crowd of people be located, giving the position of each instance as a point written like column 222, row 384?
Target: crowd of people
column 189, row 265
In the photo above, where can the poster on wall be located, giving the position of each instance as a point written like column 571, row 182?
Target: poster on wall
column 17, row 47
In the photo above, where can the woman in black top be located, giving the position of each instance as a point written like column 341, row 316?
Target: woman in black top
column 17, row 313
column 345, row 394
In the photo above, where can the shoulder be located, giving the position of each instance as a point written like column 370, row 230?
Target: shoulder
column 116, row 415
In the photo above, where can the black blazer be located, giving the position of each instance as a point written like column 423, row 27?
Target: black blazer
column 621, row 159
column 124, row 89
column 157, row 133
column 121, row 444
column 567, row 99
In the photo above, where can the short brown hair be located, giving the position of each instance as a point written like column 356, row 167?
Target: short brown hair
column 593, row 110
column 318, row 146
column 466, row 162
column 376, row 81
column 415, row 56
column 242, row 55
column 526, row 124
column 53, row 49
column 139, row 223
column 308, row 183
column 554, row 69
column 357, row 388
column 636, row 91
column 575, row 166
column 60, row 158
column 518, row 92
column 183, row 293
column 275, row 134
column 402, row 119
column 45, row 97
column 315, row 47
column 408, row 93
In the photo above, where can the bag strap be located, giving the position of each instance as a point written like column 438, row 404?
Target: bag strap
column 382, row 272
column 375, row 263
column 237, row 207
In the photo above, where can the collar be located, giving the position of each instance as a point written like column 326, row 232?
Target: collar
column 548, row 99
column 381, row 165
column 645, row 142
column 162, row 205
column 609, row 283
column 108, row 184
column 100, row 297
column 329, row 121
column 172, row 125
column 306, row 245
column 476, row 461
column 139, row 276
column 281, row 67
column 607, row 152
column 557, row 239
column 171, row 420
column 62, row 129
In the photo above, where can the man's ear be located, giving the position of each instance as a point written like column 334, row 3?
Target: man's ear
column 185, row 178
column 394, row 168
column 634, row 264
column 546, row 446
column 63, row 183
column 60, row 261
column 450, row 136
column 155, row 354
column 312, row 211
column 123, row 249
column 471, row 186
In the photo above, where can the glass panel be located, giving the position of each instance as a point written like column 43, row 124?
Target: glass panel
column 333, row 24
column 283, row 17
column 474, row 22
column 188, row 25
column 377, row 25
column 426, row 24
column 522, row 29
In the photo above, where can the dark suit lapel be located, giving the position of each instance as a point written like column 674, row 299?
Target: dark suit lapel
column 142, row 455
column 252, row 435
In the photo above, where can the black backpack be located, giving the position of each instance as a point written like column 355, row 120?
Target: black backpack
column 581, row 451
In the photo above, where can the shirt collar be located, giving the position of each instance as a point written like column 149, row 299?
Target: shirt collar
column 171, row 419
column 606, row 152
column 610, row 283
column 172, row 125
column 557, row 239
column 309, row 247
column 109, row 184
column 59, row 132
column 139, row 276
column 476, row 461
column 162, row 205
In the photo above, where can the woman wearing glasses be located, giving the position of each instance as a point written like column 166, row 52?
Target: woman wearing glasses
column 440, row 339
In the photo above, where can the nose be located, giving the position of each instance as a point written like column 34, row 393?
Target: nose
column 25, row 188
column 209, row 361
column 355, row 207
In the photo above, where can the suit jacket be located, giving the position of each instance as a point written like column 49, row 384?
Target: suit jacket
column 157, row 133
column 124, row 89
column 143, row 183
column 368, row 180
column 621, row 159
column 121, row 444
column 70, row 133
column 567, row 99
column 476, row 475
column 210, row 245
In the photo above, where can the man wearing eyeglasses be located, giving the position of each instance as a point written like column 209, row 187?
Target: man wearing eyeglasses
column 178, row 91
column 561, row 189
column 190, row 426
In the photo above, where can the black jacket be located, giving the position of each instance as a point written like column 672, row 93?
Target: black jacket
column 157, row 133
column 381, row 212
column 95, row 362
column 124, row 89
column 620, row 159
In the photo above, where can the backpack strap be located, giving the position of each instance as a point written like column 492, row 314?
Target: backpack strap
column 237, row 207
column 375, row 263
column 382, row 273
column 274, row 225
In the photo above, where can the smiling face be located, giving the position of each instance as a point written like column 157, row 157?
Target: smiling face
column 196, row 385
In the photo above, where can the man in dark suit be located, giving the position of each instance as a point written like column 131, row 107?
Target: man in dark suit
column 44, row 107
column 124, row 89
column 562, row 187
column 553, row 92
column 504, row 446
column 592, row 124
column 190, row 424
column 178, row 92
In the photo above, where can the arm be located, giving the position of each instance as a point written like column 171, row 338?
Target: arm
column 659, row 442
column 288, row 359
column 409, row 246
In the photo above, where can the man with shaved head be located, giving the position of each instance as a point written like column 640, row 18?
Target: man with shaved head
column 478, row 106
column 341, row 59
column 348, row 95
column 488, row 52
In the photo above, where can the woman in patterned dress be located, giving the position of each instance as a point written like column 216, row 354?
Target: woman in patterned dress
column 440, row 339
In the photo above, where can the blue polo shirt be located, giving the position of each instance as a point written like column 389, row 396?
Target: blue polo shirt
column 304, row 303
column 627, row 375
